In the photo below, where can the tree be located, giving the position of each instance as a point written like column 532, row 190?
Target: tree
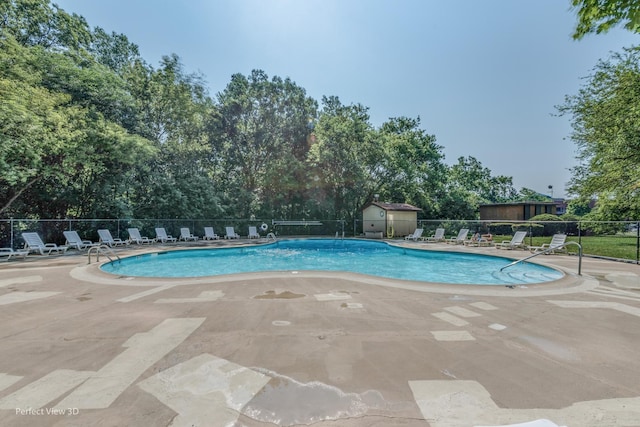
column 606, row 127
column 37, row 23
column 260, row 139
column 173, row 110
column 599, row 16
column 409, row 168
column 339, row 159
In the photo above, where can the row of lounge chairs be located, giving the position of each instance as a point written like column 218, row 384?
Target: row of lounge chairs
column 517, row 241
column 163, row 237
column 33, row 243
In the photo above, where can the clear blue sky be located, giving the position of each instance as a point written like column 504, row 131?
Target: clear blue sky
column 484, row 76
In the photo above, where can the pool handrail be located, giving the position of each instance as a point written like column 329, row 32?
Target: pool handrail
column 104, row 249
column 551, row 249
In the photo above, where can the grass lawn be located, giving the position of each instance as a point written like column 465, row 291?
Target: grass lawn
column 618, row 246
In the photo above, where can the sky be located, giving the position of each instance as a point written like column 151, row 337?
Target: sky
column 483, row 76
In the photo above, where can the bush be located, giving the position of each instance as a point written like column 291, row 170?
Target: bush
column 547, row 225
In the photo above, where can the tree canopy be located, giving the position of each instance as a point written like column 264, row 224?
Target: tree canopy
column 599, row 16
column 88, row 129
column 606, row 123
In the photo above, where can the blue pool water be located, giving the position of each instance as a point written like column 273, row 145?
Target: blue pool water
column 358, row 256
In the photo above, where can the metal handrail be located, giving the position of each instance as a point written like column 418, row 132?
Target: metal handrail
column 104, row 249
column 548, row 250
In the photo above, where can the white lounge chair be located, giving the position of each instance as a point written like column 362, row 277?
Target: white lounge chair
column 162, row 236
column 415, row 235
column 75, row 241
column 135, row 237
column 253, row 233
column 460, row 238
column 517, row 241
column 185, row 234
column 209, row 234
column 10, row 253
column 556, row 245
column 231, row 233
column 107, row 239
column 438, row 236
column 33, row 243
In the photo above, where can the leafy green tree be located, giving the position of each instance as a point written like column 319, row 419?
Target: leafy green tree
column 260, row 140
column 340, row 160
column 33, row 123
column 114, row 51
column 39, row 23
column 599, row 16
column 469, row 184
column 409, row 167
column 527, row 194
column 578, row 207
column 173, row 110
column 606, row 124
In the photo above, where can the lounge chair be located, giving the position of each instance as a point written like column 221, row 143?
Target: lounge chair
column 479, row 240
column 10, row 253
column 460, row 238
column 231, row 233
column 185, row 234
column 33, row 243
column 415, row 235
column 556, row 245
column 210, row 234
column 107, row 239
column 75, row 241
column 162, row 236
column 516, row 242
column 438, row 236
column 253, row 233
column 135, row 237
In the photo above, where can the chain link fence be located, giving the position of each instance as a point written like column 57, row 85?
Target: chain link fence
column 618, row 240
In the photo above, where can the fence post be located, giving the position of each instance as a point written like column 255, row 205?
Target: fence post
column 638, row 242
column 11, row 233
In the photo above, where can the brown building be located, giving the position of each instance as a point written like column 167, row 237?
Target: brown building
column 520, row 211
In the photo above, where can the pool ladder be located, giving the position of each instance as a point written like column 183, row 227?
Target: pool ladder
column 101, row 249
column 549, row 250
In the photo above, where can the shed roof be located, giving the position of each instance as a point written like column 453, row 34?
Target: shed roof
column 393, row 206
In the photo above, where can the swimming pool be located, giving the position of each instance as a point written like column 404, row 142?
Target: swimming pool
column 352, row 255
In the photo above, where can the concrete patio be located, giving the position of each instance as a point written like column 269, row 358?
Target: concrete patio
column 81, row 347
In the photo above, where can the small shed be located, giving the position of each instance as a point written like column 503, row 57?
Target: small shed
column 382, row 219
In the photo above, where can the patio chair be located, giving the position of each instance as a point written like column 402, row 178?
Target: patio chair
column 10, row 253
column 33, row 243
column 415, row 235
column 438, row 236
column 516, row 242
column 253, row 233
column 210, row 234
column 75, row 241
column 185, row 234
column 107, row 239
column 231, row 233
column 556, row 245
column 135, row 237
column 460, row 238
column 163, row 237
column 479, row 240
